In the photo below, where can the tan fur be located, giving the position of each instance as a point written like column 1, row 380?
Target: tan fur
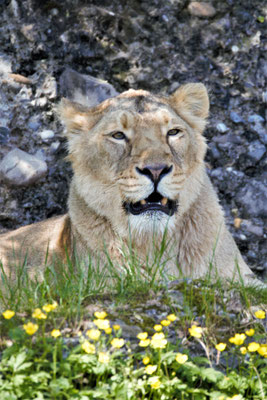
column 106, row 176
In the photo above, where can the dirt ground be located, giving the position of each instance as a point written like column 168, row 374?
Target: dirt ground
column 151, row 44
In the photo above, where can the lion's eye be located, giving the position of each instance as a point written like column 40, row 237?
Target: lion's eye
column 118, row 135
column 174, row 132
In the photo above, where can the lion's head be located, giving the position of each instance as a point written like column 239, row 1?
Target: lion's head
column 137, row 157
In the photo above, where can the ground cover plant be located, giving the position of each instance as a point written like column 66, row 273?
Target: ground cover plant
column 66, row 337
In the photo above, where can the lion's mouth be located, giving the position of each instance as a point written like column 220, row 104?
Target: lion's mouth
column 154, row 202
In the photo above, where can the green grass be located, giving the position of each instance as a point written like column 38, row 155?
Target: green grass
column 42, row 367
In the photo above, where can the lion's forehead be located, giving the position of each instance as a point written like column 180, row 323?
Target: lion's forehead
column 140, row 109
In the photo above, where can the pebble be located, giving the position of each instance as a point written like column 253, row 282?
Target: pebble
column 221, row 127
column 236, row 118
column 235, row 49
column 4, row 135
column 54, row 147
column 201, row 9
column 253, row 199
column 19, row 168
column 255, row 118
column 250, row 227
column 256, row 151
column 46, row 135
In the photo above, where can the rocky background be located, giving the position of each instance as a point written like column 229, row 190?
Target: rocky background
column 150, row 44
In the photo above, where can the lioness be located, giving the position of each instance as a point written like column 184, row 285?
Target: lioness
column 138, row 163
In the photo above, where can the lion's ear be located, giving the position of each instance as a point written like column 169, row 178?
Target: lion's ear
column 192, row 100
column 76, row 117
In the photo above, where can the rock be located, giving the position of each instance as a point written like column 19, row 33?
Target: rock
column 30, row 32
column 46, row 135
column 221, row 127
column 201, row 9
column 260, row 131
column 76, row 87
column 256, row 151
column 250, row 227
column 235, row 49
column 54, row 147
column 255, row 118
column 50, row 87
column 236, row 118
column 253, row 199
column 4, row 134
column 20, row 168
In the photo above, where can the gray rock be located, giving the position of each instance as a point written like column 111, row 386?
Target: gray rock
column 250, row 227
column 255, row 118
column 253, row 198
column 47, row 134
column 19, row 168
column 236, row 118
column 4, row 134
column 221, row 127
column 256, row 151
column 50, row 87
column 85, row 89
column 235, row 49
column 260, row 131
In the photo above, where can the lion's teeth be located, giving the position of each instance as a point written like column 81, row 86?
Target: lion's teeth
column 164, row 201
column 143, row 202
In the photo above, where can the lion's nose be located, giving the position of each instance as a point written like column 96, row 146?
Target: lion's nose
column 155, row 171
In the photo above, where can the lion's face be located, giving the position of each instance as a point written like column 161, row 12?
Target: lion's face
column 138, row 158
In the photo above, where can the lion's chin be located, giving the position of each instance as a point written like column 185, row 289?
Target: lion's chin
column 152, row 206
column 150, row 222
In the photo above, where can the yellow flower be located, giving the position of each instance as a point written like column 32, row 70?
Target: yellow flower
column 157, row 327
column 93, row 334
column 165, row 322
column 88, row 347
column 250, row 332
column 144, row 343
column 235, row 397
column 253, row 346
column 195, row 331
column 146, row 360
column 100, row 314
column 49, row 307
column 220, row 346
column 260, row 314
column 158, row 341
column 150, row 369
column 243, row 350
column 263, row 350
column 181, row 358
column 108, row 331
column 171, row 317
column 102, row 323
column 55, row 333
column 116, row 327
column 8, row 314
column 30, row 328
column 103, row 358
column 117, row 343
column 154, row 382
column 142, row 335
column 38, row 314
column 238, row 339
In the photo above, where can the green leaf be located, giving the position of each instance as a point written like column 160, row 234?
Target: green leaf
column 17, row 362
column 18, row 380
column 260, row 19
column 211, row 375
